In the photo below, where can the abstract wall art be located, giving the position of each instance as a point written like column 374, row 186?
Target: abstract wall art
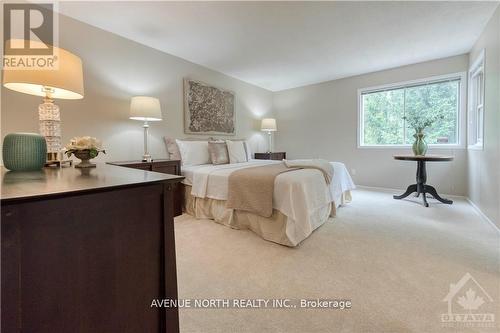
column 207, row 109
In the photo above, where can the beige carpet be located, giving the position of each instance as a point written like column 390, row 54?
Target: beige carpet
column 394, row 259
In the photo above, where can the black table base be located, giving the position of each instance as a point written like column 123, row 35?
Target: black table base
column 422, row 188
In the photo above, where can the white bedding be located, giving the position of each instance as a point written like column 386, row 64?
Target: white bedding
column 297, row 194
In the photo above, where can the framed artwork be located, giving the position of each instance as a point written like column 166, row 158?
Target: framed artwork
column 208, row 109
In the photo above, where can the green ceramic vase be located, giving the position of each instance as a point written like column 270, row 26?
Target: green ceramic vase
column 24, row 151
column 419, row 146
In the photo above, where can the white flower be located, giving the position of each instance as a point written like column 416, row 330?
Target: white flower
column 85, row 142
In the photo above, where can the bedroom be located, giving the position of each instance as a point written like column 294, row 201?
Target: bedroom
column 319, row 71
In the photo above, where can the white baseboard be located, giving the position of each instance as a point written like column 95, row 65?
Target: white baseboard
column 483, row 215
column 476, row 208
column 398, row 190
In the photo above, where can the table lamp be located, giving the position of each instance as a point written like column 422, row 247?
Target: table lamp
column 64, row 81
column 268, row 125
column 145, row 109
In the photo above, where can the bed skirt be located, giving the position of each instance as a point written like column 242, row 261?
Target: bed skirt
column 278, row 228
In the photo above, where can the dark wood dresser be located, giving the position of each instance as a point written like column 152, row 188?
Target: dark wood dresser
column 87, row 250
column 172, row 167
column 271, row 156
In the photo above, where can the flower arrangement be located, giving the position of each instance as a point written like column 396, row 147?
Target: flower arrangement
column 84, row 143
column 84, row 148
column 419, row 123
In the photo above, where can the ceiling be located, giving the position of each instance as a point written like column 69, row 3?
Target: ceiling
column 281, row 45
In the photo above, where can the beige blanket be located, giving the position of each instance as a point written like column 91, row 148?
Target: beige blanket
column 322, row 165
column 252, row 189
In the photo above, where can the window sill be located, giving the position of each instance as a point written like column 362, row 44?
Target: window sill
column 475, row 147
column 436, row 146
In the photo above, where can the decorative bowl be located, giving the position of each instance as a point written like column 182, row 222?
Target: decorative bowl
column 85, row 157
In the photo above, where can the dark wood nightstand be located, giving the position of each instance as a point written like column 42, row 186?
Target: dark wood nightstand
column 281, row 155
column 172, row 167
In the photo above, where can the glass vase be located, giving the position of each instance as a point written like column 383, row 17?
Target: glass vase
column 419, row 146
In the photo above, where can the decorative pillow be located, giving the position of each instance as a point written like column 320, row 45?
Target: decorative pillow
column 247, row 145
column 172, row 149
column 236, row 151
column 194, row 152
column 218, row 152
column 248, row 150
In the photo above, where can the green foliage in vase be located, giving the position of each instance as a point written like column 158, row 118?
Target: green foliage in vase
column 94, row 152
column 419, row 123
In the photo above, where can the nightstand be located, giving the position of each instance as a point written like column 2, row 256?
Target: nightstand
column 271, row 156
column 172, row 167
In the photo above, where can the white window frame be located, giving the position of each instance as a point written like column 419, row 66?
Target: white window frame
column 461, row 121
column 476, row 95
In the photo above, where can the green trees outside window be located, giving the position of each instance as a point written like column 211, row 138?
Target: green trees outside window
column 384, row 111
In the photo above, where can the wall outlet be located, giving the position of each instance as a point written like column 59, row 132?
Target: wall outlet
column 353, row 172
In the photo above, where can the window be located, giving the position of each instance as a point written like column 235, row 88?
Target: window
column 476, row 103
column 386, row 113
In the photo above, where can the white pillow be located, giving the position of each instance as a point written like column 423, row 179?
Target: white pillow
column 249, row 151
column 237, row 152
column 194, row 152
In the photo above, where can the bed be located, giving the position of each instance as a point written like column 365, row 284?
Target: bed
column 302, row 200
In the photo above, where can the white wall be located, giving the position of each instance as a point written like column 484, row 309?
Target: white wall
column 115, row 69
column 321, row 121
column 483, row 166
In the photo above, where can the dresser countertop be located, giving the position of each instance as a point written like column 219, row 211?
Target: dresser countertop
column 20, row 185
column 125, row 163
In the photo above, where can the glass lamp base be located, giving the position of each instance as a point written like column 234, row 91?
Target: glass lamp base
column 50, row 127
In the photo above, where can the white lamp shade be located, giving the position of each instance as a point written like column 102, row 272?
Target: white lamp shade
column 268, row 124
column 145, row 108
column 65, row 80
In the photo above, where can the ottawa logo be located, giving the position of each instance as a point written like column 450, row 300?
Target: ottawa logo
column 468, row 305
